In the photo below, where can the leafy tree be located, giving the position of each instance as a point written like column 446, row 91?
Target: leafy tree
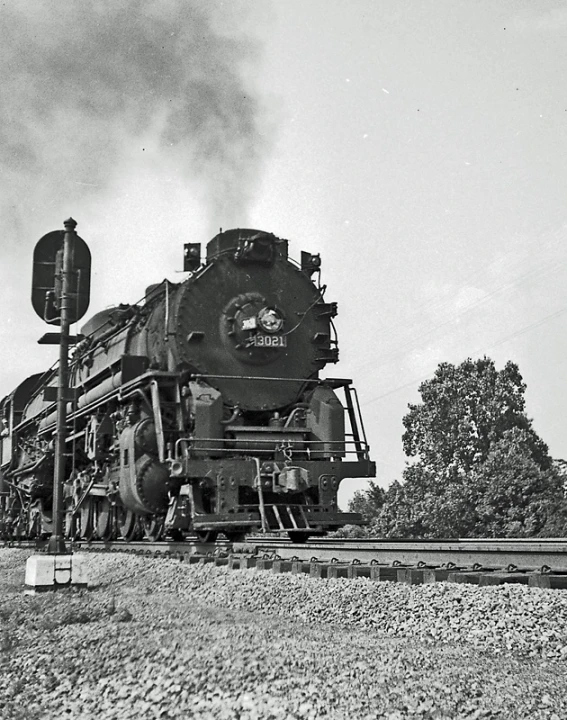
column 514, row 496
column 560, row 466
column 465, row 409
column 470, row 423
column 477, row 468
column 422, row 507
column 366, row 502
column 396, row 518
column 369, row 502
column 350, row 532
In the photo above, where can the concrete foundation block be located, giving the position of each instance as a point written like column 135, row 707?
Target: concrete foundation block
column 49, row 572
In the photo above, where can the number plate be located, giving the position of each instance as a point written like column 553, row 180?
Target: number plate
column 260, row 340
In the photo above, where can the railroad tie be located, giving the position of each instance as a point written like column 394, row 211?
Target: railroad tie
column 383, row 573
column 548, row 580
column 317, row 569
column 247, row 562
column 281, row 566
column 499, row 578
column 337, row 570
column 472, row 577
column 299, row 566
column 264, row 563
column 412, row 576
column 241, row 562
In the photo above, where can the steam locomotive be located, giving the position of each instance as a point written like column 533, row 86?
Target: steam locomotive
column 199, row 410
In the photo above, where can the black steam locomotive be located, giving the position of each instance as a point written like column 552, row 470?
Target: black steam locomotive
column 199, row 410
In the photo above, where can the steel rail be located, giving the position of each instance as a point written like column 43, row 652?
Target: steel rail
column 501, row 552
column 143, row 547
column 523, row 553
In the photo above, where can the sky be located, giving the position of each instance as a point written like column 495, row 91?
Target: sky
column 419, row 146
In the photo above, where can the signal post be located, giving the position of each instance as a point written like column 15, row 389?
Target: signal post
column 60, row 296
column 56, row 543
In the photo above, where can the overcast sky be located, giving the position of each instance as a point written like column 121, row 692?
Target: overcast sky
column 419, row 146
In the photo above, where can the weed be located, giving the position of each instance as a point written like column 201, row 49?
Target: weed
column 111, row 609
column 47, row 623
column 124, row 615
column 8, row 641
column 78, row 617
column 5, row 613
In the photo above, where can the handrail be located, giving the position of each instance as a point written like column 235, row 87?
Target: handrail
column 346, row 447
column 260, row 490
column 359, row 414
column 332, row 382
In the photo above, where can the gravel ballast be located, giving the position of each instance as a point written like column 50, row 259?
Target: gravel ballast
column 156, row 638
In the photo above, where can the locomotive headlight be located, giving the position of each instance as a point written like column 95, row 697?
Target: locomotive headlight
column 270, row 320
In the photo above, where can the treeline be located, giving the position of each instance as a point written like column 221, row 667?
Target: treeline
column 476, row 467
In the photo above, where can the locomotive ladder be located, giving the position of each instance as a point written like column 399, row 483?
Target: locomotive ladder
column 274, row 510
column 295, row 513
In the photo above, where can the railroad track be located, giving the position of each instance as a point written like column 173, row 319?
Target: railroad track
column 539, row 562
column 497, row 553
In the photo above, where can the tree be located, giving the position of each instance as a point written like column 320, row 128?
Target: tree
column 396, row 517
column 560, row 467
column 423, row 507
column 466, row 412
column 477, row 467
column 515, row 497
column 465, row 409
column 369, row 502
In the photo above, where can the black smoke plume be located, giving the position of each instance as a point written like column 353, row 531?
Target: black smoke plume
column 80, row 78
